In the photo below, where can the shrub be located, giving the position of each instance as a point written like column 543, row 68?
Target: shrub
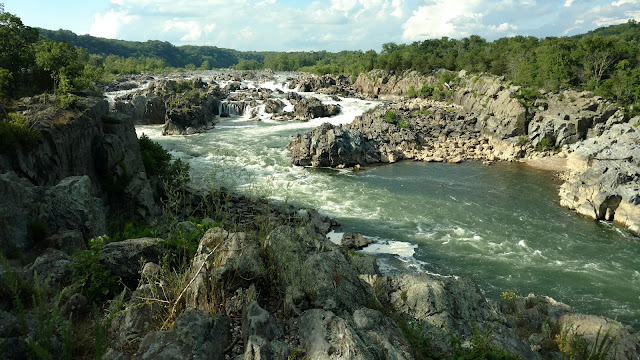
column 523, row 140
column 425, row 91
column 545, row 144
column 391, row 117
column 405, row 124
column 15, row 132
column 95, row 281
column 157, row 162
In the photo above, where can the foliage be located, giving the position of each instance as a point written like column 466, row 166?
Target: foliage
column 574, row 346
column 48, row 323
column 15, row 132
column 244, row 64
column 95, row 281
column 545, row 145
column 391, row 117
column 509, row 299
column 480, row 347
column 157, row 162
column 404, row 123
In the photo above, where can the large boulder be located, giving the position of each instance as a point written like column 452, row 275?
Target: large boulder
column 125, row 258
column 309, row 108
column 196, row 336
column 71, row 204
column 605, row 177
column 262, row 337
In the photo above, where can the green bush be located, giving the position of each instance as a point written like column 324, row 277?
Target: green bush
column 96, row 282
column 391, row 117
column 15, row 132
column 405, row 124
column 545, row 144
column 157, row 162
column 425, row 91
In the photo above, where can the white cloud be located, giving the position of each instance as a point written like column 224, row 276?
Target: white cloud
column 336, row 25
column 503, row 27
column 109, row 24
column 622, row 2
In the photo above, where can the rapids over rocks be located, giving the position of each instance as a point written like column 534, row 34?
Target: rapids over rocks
column 501, row 225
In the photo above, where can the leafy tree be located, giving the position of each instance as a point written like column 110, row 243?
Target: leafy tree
column 61, row 61
column 16, row 42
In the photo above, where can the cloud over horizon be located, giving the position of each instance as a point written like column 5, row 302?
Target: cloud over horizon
column 334, row 25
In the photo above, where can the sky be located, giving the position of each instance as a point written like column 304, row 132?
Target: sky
column 305, row 25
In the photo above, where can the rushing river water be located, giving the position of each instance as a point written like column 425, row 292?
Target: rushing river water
column 501, row 225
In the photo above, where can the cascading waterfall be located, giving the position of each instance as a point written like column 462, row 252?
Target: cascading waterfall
column 231, row 108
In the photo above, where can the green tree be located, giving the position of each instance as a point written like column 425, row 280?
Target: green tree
column 16, row 46
column 60, row 60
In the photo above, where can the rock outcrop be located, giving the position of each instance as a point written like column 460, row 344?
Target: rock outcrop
column 86, row 163
column 604, row 179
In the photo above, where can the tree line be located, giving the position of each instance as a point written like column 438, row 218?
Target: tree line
column 604, row 61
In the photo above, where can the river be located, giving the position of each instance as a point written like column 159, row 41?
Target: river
column 501, row 225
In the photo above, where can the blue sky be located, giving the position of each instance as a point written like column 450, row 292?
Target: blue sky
column 334, row 25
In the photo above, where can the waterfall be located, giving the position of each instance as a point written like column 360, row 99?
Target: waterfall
column 231, row 108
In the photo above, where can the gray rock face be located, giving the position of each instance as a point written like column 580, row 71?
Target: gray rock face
column 366, row 140
column 84, row 141
column 223, row 260
column 17, row 194
column 366, row 335
column 123, row 258
column 140, row 318
column 310, row 108
column 605, row 177
column 262, row 336
column 566, row 122
column 196, row 336
column 53, row 268
column 355, row 241
column 71, row 205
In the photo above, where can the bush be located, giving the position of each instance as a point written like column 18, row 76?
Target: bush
column 15, row 132
column 405, row 124
column 391, row 117
column 545, row 145
column 425, row 91
column 95, row 281
column 157, row 162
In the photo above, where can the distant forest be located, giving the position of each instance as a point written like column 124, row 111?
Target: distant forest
column 604, row 60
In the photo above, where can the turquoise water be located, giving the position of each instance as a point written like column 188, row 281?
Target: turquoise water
column 501, row 225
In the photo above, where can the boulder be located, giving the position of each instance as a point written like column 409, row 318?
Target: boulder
column 15, row 211
column 53, row 268
column 196, row 336
column 71, row 204
column 355, row 241
column 261, row 334
column 308, row 108
column 125, row 258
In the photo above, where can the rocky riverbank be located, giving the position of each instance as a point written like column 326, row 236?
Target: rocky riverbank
column 483, row 119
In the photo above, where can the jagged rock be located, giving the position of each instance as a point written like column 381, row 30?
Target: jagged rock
column 261, row 334
column 15, row 211
column 123, row 258
column 223, row 257
column 77, row 306
column 273, row 106
column 368, row 139
column 71, row 205
column 381, row 335
column 308, row 108
column 449, row 304
column 53, row 268
column 196, row 336
column 605, row 177
column 143, row 314
column 355, row 241
column 323, row 335
column 366, row 335
column 70, row 241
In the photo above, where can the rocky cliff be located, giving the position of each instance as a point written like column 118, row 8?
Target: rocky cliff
column 86, row 163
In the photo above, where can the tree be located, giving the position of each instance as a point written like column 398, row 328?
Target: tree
column 60, row 60
column 16, row 40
